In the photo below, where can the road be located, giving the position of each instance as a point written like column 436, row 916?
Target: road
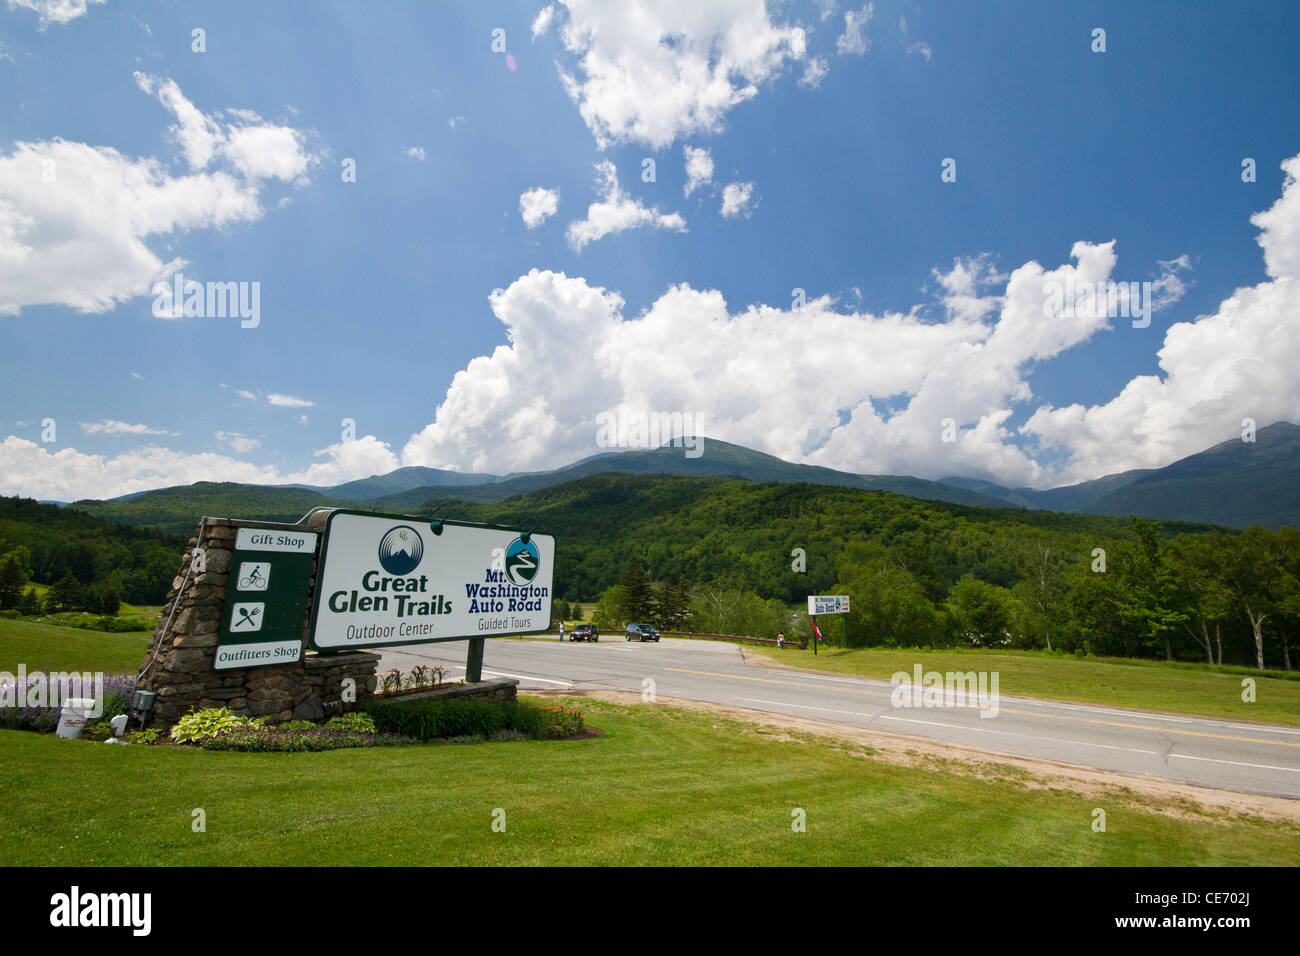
column 1224, row 754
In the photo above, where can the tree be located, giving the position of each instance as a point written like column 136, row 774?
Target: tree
column 1201, row 594
column 1041, row 588
column 12, row 580
column 66, row 594
column 890, row 608
column 1251, row 574
column 30, row 604
column 638, row 597
column 674, row 606
column 982, row 612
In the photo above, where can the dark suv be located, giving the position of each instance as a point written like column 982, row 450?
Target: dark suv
column 584, row 632
column 641, row 632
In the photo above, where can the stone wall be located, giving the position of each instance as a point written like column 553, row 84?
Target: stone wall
column 499, row 689
column 183, row 672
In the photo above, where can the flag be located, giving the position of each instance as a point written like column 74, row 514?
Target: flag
column 818, row 631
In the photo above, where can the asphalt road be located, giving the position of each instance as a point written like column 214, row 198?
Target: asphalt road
column 1245, row 757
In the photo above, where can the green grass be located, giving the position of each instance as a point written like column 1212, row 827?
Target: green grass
column 1149, row 685
column 661, row 787
column 68, row 648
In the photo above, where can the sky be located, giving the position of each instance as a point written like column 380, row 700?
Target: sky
column 1033, row 243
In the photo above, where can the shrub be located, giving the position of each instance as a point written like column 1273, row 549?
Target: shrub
column 259, row 739
column 143, row 736
column 358, row 722
column 201, row 724
column 474, row 719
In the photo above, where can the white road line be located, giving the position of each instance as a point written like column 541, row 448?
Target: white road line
column 1235, row 763
column 958, row 727
column 543, row 680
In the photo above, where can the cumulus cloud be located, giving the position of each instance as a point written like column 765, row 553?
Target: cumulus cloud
column 239, row 443
column 650, row 71
column 111, row 426
column 735, row 198
column 699, row 169
column 54, row 11
column 76, row 220
column 1238, row 362
column 414, row 152
column 616, row 212
column 34, row 470
column 537, row 204
column 854, row 40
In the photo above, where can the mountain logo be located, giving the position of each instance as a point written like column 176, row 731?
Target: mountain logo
column 522, row 558
column 400, row 550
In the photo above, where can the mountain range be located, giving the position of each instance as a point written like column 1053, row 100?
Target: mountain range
column 1235, row 483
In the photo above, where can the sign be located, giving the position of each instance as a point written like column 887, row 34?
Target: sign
column 828, row 604
column 392, row 579
column 266, row 599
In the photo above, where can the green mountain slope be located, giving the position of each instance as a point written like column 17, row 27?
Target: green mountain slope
column 1235, row 483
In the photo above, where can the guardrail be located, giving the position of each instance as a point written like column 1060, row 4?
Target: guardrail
column 771, row 641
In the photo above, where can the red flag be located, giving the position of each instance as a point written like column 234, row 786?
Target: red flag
column 818, row 631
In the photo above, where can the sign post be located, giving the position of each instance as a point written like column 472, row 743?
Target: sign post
column 386, row 580
column 829, row 604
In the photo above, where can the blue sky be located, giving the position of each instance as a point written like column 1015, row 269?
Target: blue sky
column 376, row 296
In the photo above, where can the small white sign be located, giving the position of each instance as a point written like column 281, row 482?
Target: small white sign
column 254, row 575
column 263, row 539
column 828, row 604
column 246, row 617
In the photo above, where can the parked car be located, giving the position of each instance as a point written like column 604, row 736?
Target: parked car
column 641, row 632
column 584, row 632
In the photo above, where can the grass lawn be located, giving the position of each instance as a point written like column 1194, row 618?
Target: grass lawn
column 1150, row 685
column 661, row 787
column 68, row 648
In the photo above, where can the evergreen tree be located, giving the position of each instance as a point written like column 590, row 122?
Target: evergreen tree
column 66, row 594
column 638, row 597
column 30, row 604
column 12, row 580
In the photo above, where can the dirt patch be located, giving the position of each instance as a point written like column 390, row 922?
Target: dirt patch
column 1167, row 797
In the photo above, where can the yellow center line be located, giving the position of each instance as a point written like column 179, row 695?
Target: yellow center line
column 1004, row 710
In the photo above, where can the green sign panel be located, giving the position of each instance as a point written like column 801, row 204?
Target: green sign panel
column 266, row 599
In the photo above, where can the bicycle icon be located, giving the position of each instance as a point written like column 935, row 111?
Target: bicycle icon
column 254, row 575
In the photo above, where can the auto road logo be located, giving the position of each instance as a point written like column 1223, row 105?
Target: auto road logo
column 400, row 550
column 522, row 558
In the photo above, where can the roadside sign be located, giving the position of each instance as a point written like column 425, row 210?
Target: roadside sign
column 385, row 580
column 266, row 599
column 828, row 604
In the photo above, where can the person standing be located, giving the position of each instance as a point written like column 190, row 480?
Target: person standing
column 561, row 630
column 780, row 640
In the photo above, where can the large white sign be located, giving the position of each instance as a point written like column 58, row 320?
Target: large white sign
column 392, row 580
column 828, row 604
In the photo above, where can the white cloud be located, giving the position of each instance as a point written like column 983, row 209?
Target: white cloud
column 868, row 393
column 920, row 46
column 537, row 204
column 288, row 401
column 1238, row 362
column 54, row 11
column 854, row 40
column 33, row 470
column 616, row 212
column 542, row 22
column 455, row 122
column 814, row 72
column 75, row 219
column 650, row 71
column 699, row 169
column 111, row 426
column 414, row 152
column 239, row 443
column 735, row 197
